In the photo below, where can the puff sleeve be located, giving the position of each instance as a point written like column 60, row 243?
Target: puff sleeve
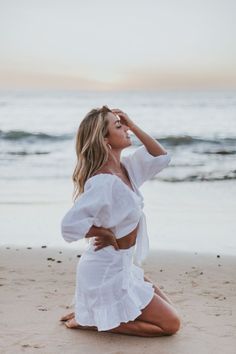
column 86, row 211
column 105, row 202
column 142, row 166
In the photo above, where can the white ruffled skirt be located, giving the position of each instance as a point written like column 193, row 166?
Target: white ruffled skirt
column 110, row 288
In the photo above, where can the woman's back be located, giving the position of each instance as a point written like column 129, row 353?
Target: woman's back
column 128, row 240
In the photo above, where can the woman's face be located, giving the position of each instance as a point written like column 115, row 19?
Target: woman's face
column 118, row 133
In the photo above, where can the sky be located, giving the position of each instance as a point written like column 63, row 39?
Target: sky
column 118, row 45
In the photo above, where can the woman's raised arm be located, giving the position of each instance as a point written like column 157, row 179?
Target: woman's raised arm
column 153, row 147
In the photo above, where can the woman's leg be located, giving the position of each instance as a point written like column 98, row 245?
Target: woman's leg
column 162, row 314
column 138, row 328
column 135, row 328
column 158, row 318
column 159, row 292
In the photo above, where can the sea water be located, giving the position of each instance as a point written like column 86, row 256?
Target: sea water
column 190, row 205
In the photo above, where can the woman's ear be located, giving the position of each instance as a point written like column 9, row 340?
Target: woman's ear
column 107, row 143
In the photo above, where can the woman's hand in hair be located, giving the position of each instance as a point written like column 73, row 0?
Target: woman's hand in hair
column 152, row 145
column 103, row 237
column 124, row 118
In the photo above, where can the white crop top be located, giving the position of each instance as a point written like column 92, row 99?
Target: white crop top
column 108, row 202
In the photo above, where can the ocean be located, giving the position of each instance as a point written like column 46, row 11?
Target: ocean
column 198, row 128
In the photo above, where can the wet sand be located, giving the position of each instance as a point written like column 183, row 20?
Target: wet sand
column 37, row 286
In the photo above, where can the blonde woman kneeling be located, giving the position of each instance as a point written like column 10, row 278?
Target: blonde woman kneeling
column 112, row 294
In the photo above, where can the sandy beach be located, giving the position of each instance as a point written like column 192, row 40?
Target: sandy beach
column 37, row 286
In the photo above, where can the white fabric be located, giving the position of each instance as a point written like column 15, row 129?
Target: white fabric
column 110, row 288
column 107, row 201
column 142, row 166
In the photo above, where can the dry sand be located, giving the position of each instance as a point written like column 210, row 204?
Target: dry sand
column 37, row 285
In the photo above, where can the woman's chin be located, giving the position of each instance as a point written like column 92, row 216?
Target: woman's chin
column 126, row 144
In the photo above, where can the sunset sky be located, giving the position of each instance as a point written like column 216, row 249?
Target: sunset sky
column 125, row 44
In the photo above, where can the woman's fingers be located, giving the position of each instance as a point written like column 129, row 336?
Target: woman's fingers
column 124, row 118
column 117, row 110
column 97, row 248
column 116, row 246
column 100, row 245
column 104, row 241
column 88, row 235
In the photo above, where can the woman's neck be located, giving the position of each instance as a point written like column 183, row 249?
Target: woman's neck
column 114, row 163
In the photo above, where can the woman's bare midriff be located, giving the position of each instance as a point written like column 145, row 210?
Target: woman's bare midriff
column 128, row 240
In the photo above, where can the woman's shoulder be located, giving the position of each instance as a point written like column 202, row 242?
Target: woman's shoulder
column 97, row 177
column 100, row 180
column 104, row 182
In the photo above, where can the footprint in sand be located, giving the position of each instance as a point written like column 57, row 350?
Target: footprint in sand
column 37, row 346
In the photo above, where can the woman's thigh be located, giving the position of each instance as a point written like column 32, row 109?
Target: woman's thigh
column 160, row 313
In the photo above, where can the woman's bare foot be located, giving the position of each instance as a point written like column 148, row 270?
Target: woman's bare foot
column 72, row 324
column 67, row 317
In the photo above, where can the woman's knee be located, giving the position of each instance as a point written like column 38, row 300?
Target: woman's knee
column 173, row 325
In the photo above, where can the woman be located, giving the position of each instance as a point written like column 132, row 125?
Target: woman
column 112, row 293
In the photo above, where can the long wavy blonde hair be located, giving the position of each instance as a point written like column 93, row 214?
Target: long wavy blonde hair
column 91, row 149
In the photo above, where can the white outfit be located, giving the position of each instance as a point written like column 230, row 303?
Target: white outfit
column 110, row 288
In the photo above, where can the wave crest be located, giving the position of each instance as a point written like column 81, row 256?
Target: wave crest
column 26, row 135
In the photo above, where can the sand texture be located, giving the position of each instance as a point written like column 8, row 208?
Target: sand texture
column 37, row 286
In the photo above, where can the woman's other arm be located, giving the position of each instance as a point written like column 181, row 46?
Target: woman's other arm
column 103, row 237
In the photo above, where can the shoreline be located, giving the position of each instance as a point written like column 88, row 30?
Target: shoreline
column 183, row 217
column 73, row 248
column 37, row 286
